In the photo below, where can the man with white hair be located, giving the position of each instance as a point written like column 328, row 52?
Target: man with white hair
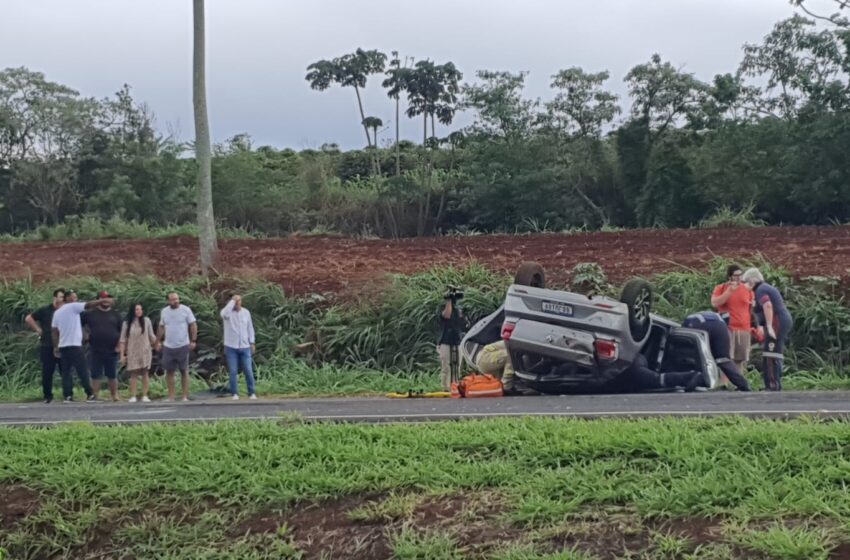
column 778, row 323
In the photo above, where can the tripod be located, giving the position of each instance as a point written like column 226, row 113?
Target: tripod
column 454, row 364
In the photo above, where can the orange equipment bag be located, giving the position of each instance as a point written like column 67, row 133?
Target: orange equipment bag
column 476, row 386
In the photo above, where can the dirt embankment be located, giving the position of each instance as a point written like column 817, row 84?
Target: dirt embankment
column 326, row 264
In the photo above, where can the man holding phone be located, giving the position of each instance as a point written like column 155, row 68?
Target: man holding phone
column 735, row 299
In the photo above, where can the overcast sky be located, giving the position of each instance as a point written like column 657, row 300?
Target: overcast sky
column 258, row 50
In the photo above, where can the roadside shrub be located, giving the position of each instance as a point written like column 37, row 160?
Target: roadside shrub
column 398, row 328
column 726, row 217
column 76, row 228
column 588, row 277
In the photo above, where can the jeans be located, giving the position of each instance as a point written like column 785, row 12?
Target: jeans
column 240, row 358
column 73, row 357
column 49, row 364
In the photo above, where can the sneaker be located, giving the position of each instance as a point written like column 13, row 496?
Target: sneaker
column 68, row 400
column 185, row 399
column 48, row 401
column 91, row 399
column 166, row 399
column 145, row 399
column 253, row 397
column 131, row 400
column 235, row 397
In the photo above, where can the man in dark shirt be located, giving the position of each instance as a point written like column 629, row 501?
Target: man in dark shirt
column 718, row 340
column 771, row 310
column 40, row 321
column 104, row 326
column 452, row 323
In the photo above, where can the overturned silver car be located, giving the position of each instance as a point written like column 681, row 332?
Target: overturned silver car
column 563, row 342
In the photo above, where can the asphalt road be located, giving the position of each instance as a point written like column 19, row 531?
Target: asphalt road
column 719, row 403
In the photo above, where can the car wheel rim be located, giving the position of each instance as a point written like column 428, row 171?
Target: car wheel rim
column 642, row 305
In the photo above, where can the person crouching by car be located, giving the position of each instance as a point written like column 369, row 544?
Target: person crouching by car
column 494, row 360
column 719, row 340
column 774, row 315
column 452, row 322
column 735, row 299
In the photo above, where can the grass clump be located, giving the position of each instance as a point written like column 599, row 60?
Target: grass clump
column 410, row 544
column 727, row 217
column 789, row 543
column 393, row 507
column 76, row 228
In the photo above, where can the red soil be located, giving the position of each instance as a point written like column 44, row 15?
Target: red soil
column 326, row 264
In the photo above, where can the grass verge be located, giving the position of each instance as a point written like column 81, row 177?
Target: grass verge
column 509, row 488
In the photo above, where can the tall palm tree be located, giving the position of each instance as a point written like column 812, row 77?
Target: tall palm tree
column 373, row 123
column 203, row 153
column 432, row 92
column 396, row 82
column 350, row 70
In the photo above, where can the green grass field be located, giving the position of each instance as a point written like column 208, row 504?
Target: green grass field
column 517, row 489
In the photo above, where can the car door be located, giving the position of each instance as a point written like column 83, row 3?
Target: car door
column 689, row 349
column 484, row 332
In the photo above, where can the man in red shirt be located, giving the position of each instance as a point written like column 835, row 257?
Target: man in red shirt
column 735, row 299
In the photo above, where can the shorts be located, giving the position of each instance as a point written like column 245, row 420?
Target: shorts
column 174, row 359
column 740, row 344
column 103, row 365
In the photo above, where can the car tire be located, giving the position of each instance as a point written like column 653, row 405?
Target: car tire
column 530, row 274
column 637, row 295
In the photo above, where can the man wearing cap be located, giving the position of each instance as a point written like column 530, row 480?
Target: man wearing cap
column 104, row 326
column 67, row 332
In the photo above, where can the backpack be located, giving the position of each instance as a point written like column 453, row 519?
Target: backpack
column 476, row 386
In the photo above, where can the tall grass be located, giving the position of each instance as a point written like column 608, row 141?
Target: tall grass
column 378, row 342
column 727, row 217
column 89, row 227
column 398, row 328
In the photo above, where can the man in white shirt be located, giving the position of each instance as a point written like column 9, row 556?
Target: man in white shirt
column 239, row 345
column 176, row 337
column 67, row 331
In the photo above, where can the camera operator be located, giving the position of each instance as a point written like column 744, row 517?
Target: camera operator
column 452, row 323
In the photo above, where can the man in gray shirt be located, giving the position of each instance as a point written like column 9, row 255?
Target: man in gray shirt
column 176, row 337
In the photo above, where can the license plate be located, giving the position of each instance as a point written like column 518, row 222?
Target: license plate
column 557, row 308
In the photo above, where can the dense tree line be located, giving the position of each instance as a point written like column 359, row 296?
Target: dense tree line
column 770, row 137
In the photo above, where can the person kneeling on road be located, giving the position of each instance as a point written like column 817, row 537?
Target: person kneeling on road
column 718, row 338
column 494, row 360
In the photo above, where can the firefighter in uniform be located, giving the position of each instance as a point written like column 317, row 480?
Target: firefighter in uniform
column 773, row 313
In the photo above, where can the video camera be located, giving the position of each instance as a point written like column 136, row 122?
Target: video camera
column 453, row 293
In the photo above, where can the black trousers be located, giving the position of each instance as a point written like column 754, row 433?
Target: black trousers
column 74, row 358
column 49, row 365
column 720, row 343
